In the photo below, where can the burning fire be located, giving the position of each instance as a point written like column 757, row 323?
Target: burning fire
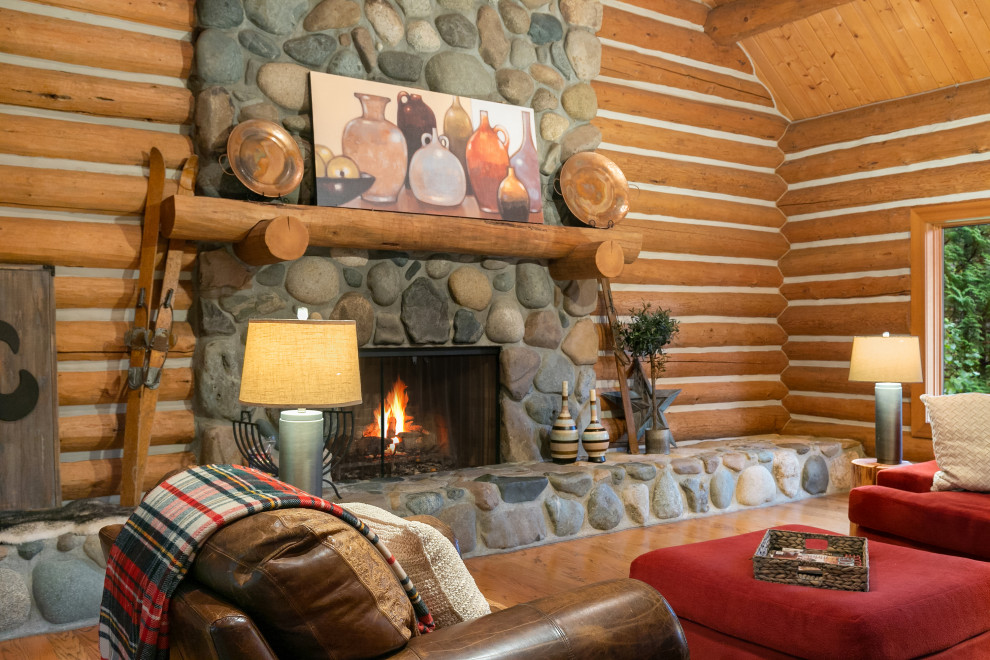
column 393, row 411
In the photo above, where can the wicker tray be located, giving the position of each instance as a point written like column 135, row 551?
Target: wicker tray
column 814, row 574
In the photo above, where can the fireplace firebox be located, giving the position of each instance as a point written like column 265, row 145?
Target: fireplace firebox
column 424, row 410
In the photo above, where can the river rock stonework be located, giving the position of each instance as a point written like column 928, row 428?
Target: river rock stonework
column 254, row 57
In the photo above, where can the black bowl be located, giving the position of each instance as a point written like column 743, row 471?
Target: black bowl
column 335, row 191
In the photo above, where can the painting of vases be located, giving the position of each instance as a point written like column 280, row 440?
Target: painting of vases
column 395, row 148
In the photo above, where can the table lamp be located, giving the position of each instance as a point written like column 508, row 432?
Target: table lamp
column 298, row 365
column 888, row 362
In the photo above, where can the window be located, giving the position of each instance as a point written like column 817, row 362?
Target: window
column 927, row 263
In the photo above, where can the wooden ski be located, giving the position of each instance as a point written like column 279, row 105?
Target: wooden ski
column 160, row 341
column 622, row 363
column 137, row 337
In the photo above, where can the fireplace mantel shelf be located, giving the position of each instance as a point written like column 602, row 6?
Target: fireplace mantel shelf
column 575, row 252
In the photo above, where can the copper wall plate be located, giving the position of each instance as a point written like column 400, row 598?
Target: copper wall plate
column 264, row 157
column 594, row 189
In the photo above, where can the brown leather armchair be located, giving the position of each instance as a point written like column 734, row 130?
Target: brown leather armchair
column 616, row 619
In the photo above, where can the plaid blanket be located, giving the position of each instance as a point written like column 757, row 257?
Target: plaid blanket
column 158, row 543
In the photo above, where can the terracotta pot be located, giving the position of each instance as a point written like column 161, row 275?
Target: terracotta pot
column 526, row 163
column 435, row 174
column 414, row 120
column 378, row 147
column 487, row 158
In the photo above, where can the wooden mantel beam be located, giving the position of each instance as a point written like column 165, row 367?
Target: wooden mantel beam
column 736, row 20
column 225, row 220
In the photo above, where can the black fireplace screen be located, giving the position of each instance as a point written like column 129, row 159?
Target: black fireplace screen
column 424, row 410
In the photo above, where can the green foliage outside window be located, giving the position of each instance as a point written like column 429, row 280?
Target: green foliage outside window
column 966, row 306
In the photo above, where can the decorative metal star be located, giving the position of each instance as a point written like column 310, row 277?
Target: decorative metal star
column 641, row 407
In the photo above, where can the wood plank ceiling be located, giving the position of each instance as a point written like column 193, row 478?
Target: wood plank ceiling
column 867, row 51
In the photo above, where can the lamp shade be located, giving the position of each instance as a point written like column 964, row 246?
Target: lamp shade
column 885, row 360
column 300, row 364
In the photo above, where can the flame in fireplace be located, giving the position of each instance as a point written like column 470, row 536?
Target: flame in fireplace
column 393, row 411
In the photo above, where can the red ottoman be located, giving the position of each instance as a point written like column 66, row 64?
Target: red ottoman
column 919, row 604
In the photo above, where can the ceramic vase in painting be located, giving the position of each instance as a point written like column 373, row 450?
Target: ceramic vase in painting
column 435, row 175
column 526, row 163
column 457, row 128
column 487, row 158
column 378, row 147
column 513, row 199
column 595, row 438
column 414, row 118
column 564, row 433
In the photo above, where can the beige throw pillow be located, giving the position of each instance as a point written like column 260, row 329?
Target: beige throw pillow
column 961, row 440
column 431, row 561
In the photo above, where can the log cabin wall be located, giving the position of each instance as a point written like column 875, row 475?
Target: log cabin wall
column 86, row 88
column 695, row 131
column 852, row 178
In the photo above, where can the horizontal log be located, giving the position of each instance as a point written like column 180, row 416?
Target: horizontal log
column 870, row 223
column 916, row 450
column 767, row 305
column 719, row 392
column 642, row 103
column 213, row 219
column 57, row 138
column 867, row 318
column 99, row 340
column 174, row 14
column 109, row 293
column 632, row 65
column 740, row 19
column 726, row 423
column 106, row 431
column 101, row 477
column 74, row 244
column 643, row 136
column 954, row 179
column 823, row 379
column 697, row 176
column 636, row 30
column 589, row 261
column 94, row 95
column 707, row 335
column 66, row 190
column 79, row 388
column 859, row 410
column 702, row 208
column 695, row 365
column 663, row 236
column 839, row 351
column 284, row 238
column 846, row 258
column 698, row 273
column 974, row 139
column 686, row 10
column 48, row 38
column 859, row 287
column 940, row 105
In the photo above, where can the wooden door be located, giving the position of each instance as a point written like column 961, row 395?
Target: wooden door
column 29, row 451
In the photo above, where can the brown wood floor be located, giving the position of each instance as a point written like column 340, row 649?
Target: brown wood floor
column 516, row 577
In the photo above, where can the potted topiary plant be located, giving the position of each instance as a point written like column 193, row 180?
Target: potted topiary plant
column 644, row 337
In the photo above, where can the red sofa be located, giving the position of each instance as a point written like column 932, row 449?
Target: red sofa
column 901, row 509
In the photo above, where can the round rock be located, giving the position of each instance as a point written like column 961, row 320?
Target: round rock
column 388, row 329
column 522, row 53
column 346, row 63
column 583, row 138
column 218, row 58
column 258, row 44
column 545, row 29
column 470, row 288
column 553, row 372
column 425, row 313
column 787, row 472
column 385, row 282
column 566, row 516
column 313, row 280
column 546, row 75
column 457, row 31
column 515, row 16
column 636, row 500
column 333, row 15
column 67, row 590
column 580, row 102
column 542, row 100
column 219, row 377
column 543, row 329
column 814, row 478
column 533, row 286
column 313, row 49
column 15, row 600
column 517, row 367
column 416, row 8
column 696, row 494
column 459, row 74
column 275, row 16
column 365, row 45
column 385, row 20
column 723, row 487
column 494, row 46
column 438, row 267
column 755, row 486
column 262, row 110
column 423, row 37
column 355, row 307
column 583, row 13
column 667, row 501
column 350, row 256
column 505, row 323
column 285, row 83
column 604, row 507
column 581, row 344
column 223, row 14
column 584, row 52
column 515, row 86
column 580, row 297
column 503, row 282
column 552, row 125
column 400, row 66
column 467, row 327
column 559, row 58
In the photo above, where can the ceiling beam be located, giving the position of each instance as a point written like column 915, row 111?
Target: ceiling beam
column 739, row 19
